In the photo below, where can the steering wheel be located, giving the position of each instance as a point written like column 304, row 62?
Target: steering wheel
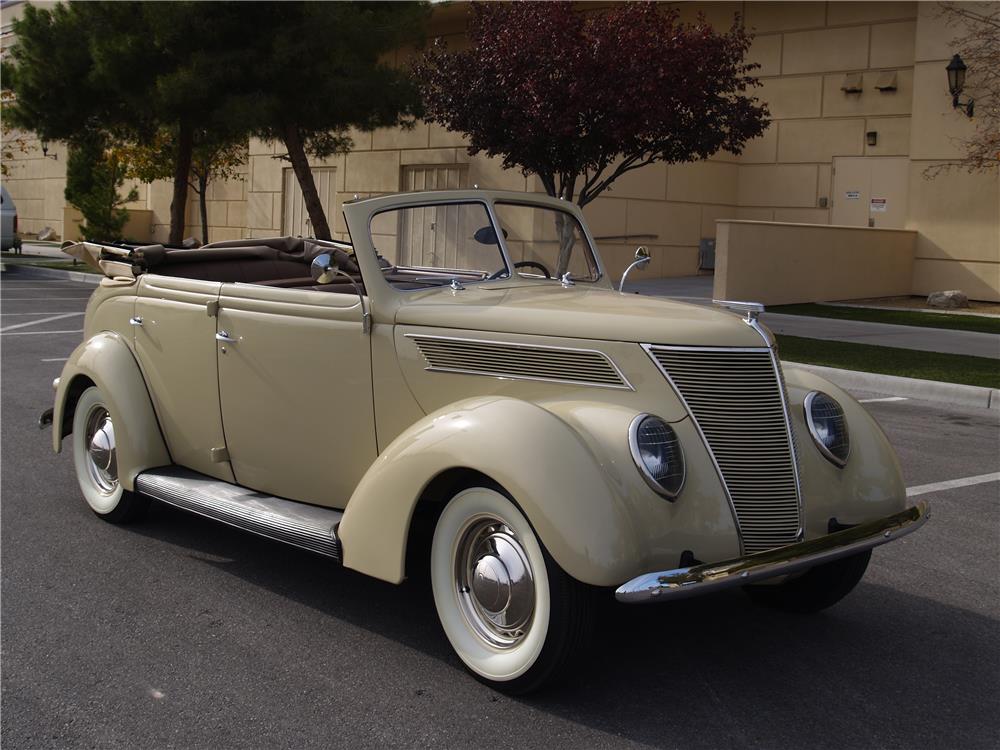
column 525, row 264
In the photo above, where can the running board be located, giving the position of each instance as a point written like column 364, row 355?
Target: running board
column 307, row 526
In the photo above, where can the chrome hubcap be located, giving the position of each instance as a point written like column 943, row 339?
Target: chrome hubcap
column 494, row 582
column 102, row 463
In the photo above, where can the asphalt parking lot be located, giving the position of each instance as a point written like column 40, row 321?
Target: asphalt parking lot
column 184, row 633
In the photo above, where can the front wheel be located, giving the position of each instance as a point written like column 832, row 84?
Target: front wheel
column 816, row 589
column 510, row 612
column 95, row 457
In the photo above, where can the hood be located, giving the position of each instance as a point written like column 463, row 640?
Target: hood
column 548, row 309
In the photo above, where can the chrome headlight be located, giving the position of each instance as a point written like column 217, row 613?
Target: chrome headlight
column 657, row 452
column 828, row 427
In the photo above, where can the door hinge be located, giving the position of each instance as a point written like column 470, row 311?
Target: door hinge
column 219, row 455
column 213, row 308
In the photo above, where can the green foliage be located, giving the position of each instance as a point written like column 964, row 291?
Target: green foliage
column 94, row 175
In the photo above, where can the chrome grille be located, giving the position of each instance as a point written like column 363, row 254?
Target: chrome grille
column 737, row 399
column 520, row 361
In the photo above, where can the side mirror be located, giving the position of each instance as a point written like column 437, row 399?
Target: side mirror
column 642, row 258
column 323, row 268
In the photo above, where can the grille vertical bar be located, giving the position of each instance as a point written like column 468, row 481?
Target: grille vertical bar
column 737, row 399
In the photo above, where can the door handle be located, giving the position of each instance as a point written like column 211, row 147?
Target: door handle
column 135, row 320
column 225, row 337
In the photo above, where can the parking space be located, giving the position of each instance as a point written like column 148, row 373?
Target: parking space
column 181, row 632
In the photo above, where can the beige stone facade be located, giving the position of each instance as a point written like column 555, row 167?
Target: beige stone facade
column 814, row 165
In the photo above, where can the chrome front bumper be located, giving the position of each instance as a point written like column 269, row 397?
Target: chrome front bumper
column 709, row 577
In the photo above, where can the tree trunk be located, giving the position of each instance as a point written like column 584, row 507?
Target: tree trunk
column 203, row 204
column 297, row 154
column 182, row 168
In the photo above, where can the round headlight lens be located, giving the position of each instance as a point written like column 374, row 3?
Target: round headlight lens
column 828, row 427
column 657, row 453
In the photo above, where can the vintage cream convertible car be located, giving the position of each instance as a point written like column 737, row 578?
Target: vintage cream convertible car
column 467, row 367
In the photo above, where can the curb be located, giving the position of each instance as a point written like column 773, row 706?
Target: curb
column 924, row 390
column 53, row 273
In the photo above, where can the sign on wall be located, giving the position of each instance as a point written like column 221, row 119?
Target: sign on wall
column 878, row 205
column 853, row 195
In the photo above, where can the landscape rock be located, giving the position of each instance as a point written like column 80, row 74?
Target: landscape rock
column 948, row 300
column 48, row 233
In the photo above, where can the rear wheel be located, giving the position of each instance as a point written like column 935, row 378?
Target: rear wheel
column 510, row 612
column 95, row 457
column 816, row 589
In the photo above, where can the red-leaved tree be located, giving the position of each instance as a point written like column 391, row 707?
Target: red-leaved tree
column 581, row 99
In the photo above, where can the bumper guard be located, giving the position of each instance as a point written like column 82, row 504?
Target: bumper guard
column 703, row 579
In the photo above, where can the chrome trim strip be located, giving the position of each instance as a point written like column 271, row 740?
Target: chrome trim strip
column 625, row 384
column 783, row 392
column 706, row 578
column 694, row 420
column 824, row 451
column 633, row 445
column 308, row 527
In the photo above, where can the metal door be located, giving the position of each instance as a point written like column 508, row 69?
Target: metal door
column 429, row 236
column 176, row 348
column 295, row 220
column 870, row 191
column 295, row 381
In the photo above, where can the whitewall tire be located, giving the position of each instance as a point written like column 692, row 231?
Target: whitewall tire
column 512, row 615
column 95, row 458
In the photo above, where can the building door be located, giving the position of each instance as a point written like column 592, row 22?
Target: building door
column 430, row 236
column 294, row 217
column 870, row 191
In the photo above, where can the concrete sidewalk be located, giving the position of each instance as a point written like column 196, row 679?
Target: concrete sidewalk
column 698, row 290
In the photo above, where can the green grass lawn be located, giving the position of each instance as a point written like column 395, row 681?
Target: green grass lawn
column 907, row 363
column 896, row 317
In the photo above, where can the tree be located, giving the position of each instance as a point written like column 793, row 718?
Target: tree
column 319, row 69
column 94, row 174
column 127, row 70
column 213, row 157
column 979, row 46
column 581, row 99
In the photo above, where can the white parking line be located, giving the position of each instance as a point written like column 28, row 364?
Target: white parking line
column 39, row 322
column 879, row 400
column 46, row 312
column 923, row 489
column 39, row 333
column 55, row 359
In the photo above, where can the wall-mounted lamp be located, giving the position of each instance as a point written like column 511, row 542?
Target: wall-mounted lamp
column 45, row 152
column 871, row 137
column 956, row 82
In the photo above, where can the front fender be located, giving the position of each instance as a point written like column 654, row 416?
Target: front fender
column 868, row 487
column 545, row 465
column 106, row 360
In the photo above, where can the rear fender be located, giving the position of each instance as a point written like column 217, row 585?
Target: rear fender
column 107, row 362
column 540, row 460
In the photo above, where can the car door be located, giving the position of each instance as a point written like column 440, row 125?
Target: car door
column 176, row 348
column 295, row 383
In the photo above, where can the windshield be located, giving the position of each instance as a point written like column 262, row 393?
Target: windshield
column 546, row 241
column 436, row 243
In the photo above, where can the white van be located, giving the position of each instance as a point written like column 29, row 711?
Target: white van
column 8, row 222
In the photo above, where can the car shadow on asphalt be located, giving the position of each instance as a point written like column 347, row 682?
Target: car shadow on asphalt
column 880, row 669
